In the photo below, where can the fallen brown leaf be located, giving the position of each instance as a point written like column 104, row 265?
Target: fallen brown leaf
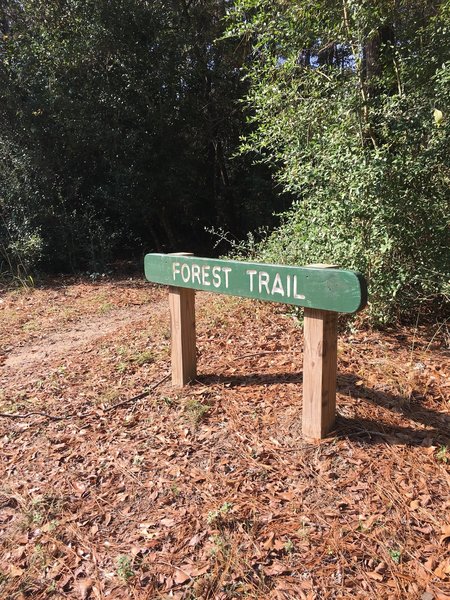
column 84, row 588
column 445, row 537
column 443, row 569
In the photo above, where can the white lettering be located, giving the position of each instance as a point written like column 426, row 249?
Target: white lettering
column 217, row 280
column 288, row 282
column 226, row 270
column 263, row 281
column 298, row 296
column 205, row 275
column 277, row 287
column 251, row 273
column 175, row 270
column 196, row 273
column 185, row 272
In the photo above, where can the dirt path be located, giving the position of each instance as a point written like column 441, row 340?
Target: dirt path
column 79, row 336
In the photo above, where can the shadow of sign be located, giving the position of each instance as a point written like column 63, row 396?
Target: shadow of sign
column 437, row 424
column 370, row 431
column 251, row 379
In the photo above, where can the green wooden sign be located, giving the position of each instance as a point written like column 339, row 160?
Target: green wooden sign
column 313, row 287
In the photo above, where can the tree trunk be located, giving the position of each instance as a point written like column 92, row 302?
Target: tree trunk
column 378, row 61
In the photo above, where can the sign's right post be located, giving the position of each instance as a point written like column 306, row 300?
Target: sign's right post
column 319, row 373
column 319, row 370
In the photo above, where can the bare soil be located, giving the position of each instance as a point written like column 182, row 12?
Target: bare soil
column 115, row 485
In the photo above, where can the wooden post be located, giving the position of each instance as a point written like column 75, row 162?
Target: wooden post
column 182, row 326
column 319, row 373
column 182, row 332
column 319, row 370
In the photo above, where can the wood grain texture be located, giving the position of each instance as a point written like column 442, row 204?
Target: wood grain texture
column 182, row 324
column 319, row 373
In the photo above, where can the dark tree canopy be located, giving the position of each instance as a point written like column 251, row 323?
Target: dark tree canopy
column 119, row 121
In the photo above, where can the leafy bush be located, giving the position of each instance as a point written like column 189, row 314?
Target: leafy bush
column 351, row 103
column 21, row 242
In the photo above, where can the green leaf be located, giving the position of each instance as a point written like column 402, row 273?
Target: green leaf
column 438, row 116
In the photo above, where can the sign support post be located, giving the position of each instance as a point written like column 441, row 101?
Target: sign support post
column 319, row 373
column 182, row 332
column 182, row 326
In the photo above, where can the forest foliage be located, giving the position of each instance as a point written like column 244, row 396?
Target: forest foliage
column 130, row 126
column 351, row 100
column 119, row 120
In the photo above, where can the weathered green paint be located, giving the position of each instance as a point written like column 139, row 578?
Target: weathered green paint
column 321, row 288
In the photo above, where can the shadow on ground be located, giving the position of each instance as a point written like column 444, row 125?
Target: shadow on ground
column 367, row 430
column 251, row 379
column 409, row 407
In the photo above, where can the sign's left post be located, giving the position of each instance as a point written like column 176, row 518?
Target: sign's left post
column 182, row 327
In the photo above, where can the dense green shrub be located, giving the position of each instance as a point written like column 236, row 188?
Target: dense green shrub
column 351, row 103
